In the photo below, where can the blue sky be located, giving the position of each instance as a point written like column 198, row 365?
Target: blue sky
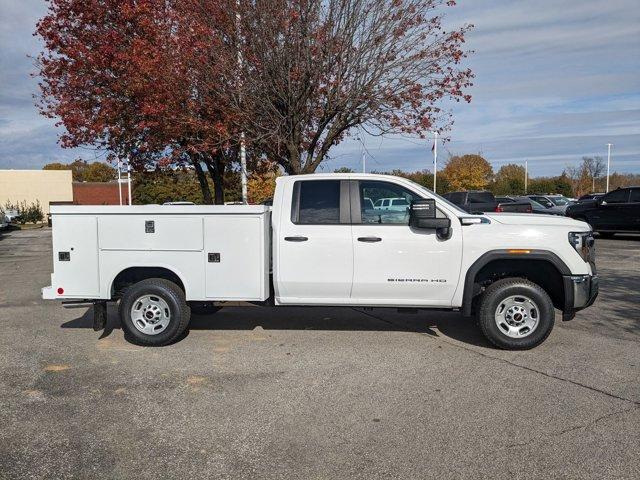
column 555, row 80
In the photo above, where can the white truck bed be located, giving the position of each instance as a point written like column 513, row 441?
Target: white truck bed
column 217, row 252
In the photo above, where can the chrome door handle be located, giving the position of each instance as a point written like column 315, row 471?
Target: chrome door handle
column 296, row 239
column 369, row 239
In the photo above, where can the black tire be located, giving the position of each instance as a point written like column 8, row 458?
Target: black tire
column 499, row 292
column 179, row 313
column 203, row 308
column 606, row 234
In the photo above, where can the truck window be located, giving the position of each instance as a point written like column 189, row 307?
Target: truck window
column 457, row 198
column 543, row 201
column 617, row 196
column 319, row 202
column 393, row 196
column 635, row 195
column 481, row 197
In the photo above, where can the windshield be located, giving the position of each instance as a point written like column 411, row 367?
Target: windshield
column 560, row 201
column 438, row 197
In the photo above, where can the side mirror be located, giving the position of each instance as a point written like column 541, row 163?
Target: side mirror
column 422, row 216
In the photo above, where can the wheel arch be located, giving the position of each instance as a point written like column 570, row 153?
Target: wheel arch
column 542, row 267
column 134, row 274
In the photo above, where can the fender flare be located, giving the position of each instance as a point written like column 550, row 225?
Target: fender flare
column 490, row 256
column 155, row 265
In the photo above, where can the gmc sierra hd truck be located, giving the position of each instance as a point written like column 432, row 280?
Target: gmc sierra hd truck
column 327, row 240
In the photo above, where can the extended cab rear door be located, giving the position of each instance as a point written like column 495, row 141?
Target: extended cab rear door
column 314, row 258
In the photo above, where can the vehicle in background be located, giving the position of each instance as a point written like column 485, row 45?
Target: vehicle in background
column 590, row 196
column 537, row 207
column 11, row 215
column 3, row 220
column 473, row 201
column 391, row 204
column 179, row 203
column 616, row 212
column 555, row 203
column 508, row 204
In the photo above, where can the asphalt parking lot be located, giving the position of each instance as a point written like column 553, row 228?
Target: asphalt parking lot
column 312, row 393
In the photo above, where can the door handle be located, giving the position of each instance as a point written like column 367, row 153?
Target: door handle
column 296, row 239
column 369, row 239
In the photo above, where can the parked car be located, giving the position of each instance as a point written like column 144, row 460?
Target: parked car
column 616, row 212
column 474, row 201
column 12, row 215
column 321, row 245
column 508, row 204
column 393, row 204
column 538, row 208
column 555, row 203
column 3, row 220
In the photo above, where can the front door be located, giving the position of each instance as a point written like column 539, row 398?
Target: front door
column 612, row 211
column 314, row 260
column 395, row 264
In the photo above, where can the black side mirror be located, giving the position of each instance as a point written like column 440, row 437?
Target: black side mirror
column 422, row 216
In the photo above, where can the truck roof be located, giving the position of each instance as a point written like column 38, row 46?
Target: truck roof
column 156, row 209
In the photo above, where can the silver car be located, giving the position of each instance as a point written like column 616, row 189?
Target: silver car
column 554, row 203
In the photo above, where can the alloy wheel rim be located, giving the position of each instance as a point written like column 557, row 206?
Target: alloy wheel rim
column 517, row 316
column 150, row 314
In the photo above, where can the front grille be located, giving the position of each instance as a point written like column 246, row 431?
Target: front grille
column 590, row 245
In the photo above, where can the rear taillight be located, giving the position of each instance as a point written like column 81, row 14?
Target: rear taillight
column 529, row 209
column 60, row 291
column 499, row 209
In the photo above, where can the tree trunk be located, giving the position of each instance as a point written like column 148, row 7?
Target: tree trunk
column 215, row 166
column 202, row 180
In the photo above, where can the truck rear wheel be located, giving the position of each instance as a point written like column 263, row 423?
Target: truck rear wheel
column 154, row 312
column 515, row 314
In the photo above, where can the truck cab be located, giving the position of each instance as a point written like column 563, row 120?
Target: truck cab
column 324, row 242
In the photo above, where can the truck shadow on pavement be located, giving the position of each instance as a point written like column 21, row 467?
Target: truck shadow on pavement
column 434, row 324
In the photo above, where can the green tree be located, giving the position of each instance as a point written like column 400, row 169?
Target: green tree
column 509, row 180
column 99, row 172
column 82, row 171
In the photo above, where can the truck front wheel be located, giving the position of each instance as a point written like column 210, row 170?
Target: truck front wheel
column 515, row 314
column 154, row 312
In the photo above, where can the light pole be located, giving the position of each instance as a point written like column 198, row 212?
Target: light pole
column 119, row 182
column 526, row 175
column 435, row 159
column 609, row 145
column 129, row 181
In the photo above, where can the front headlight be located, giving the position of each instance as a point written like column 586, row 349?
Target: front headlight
column 584, row 244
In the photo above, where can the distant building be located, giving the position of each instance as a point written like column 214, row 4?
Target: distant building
column 99, row 193
column 44, row 186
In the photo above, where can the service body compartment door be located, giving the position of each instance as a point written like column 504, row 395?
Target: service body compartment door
column 75, row 256
column 237, row 264
column 151, row 232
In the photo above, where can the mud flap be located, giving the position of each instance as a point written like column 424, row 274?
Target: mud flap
column 99, row 316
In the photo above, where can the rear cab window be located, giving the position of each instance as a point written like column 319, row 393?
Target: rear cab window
column 617, row 196
column 481, row 197
column 316, row 202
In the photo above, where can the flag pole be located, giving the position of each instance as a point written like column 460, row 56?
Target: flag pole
column 609, row 145
column 435, row 159
column 119, row 182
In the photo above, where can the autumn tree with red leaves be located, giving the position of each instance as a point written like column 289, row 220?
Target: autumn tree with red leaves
column 166, row 82
column 129, row 77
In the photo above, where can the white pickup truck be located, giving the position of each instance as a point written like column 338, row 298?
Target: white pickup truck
column 321, row 243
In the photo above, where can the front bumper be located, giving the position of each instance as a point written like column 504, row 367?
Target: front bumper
column 580, row 291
